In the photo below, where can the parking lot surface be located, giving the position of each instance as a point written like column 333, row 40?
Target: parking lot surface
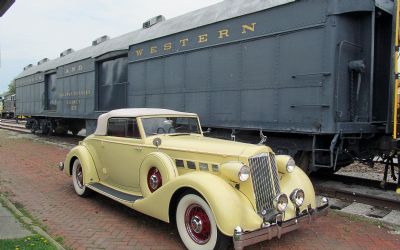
column 30, row 177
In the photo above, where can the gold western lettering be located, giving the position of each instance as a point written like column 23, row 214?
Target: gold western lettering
column 184, row 42
column 203, row 38
column 251, row 27
column 153, row 49
column 167, row 46
column 139, row 52
column 223, row 33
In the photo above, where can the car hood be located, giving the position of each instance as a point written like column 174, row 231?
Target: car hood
column 208, row 145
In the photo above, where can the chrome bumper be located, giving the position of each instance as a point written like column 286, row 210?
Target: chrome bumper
column 243, row 239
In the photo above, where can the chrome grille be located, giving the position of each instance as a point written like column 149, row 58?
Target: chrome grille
column 265, row 180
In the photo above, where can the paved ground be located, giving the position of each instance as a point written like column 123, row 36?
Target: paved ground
column 29, row 175
column 10, row 228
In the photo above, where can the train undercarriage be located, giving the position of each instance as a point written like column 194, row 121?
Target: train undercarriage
column 54, row 126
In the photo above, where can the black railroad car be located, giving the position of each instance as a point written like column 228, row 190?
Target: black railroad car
column 315, row 76
column 9, row 106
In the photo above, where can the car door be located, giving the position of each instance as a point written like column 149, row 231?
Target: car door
column 121, row 154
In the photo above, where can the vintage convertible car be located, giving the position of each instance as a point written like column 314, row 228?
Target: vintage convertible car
column 158, row 162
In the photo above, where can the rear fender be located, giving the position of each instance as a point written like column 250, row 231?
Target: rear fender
column 230, row 207
column 80, row 152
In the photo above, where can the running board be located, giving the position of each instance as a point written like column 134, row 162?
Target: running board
column 112, row 193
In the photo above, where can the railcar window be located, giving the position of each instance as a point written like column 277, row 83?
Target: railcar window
column 170, row 125
column 123, row 127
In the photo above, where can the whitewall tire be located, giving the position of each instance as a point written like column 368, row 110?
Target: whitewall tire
column 197, row 226
column 77, row 179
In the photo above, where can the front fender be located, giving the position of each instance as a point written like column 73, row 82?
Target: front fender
column 89, row 169
column 297, row 179
column 230, row 207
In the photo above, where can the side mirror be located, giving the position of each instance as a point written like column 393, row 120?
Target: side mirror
column 157, row 142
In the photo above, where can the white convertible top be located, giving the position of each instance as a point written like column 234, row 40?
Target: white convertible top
column 132, row 112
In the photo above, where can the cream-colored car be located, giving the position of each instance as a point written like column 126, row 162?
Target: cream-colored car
column 158, row 162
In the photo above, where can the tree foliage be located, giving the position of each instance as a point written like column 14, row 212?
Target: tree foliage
column 11, row 88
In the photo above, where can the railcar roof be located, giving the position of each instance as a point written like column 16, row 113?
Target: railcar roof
column 133, row 112
column 214, row 13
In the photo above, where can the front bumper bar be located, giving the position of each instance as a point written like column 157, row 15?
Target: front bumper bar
column 243, row 239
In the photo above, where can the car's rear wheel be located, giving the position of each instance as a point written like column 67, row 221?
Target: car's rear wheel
column 77, row 179
column 197, row 226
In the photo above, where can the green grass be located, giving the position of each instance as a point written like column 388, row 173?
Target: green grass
column 34, row 242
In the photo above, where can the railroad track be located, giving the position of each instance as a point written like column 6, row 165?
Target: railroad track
column 359, row 190
column 14, row 126
column 69, row 138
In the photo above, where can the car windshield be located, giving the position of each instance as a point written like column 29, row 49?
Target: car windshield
column 170, row 125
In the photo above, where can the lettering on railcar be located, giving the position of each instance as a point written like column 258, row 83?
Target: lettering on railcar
column 73, row 104
column 81, row 93
column 199, row 39
column 73, row 69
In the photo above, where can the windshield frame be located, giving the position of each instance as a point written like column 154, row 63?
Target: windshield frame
column 140, row 120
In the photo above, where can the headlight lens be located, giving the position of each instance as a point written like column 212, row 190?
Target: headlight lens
column 244, row 173
column 297, row 197
column 281, row 202
column 290, row 165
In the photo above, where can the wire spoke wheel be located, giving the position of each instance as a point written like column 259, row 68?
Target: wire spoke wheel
column 197, row 224
column 154, row 179
column 77, row 179
column 79, row 176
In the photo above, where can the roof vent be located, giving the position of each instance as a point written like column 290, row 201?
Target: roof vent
column 100, row 40
column 66, row 52
column 43, row 61
column 153, row 21
column 28, row 66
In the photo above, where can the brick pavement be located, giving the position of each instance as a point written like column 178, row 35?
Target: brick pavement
column 29, row 174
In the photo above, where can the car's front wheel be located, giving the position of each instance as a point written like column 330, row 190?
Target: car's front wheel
column 197, row 226
column 77, row 179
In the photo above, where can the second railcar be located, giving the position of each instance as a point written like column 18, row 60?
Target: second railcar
column 8, row 106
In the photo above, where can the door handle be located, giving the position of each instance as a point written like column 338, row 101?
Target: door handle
column 139, row 149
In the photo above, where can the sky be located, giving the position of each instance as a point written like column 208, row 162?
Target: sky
column 32, row 30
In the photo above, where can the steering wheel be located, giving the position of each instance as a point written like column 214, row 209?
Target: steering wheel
column 160, row 128
column 171, row 130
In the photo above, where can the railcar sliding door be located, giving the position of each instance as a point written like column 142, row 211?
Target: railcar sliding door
column 51, row 92
column 112, row 82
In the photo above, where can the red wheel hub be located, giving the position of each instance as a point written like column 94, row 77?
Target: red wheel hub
column 154, row 179
column 198, row 224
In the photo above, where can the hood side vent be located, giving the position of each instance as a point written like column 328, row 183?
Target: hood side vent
column 153, row 21
column 66, row 52
column 100, row 40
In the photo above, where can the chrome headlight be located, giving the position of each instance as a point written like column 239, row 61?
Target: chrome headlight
column 235, row 171
column 297, row 197
column 285, row 163
column 244, row 173
column 281, row 202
